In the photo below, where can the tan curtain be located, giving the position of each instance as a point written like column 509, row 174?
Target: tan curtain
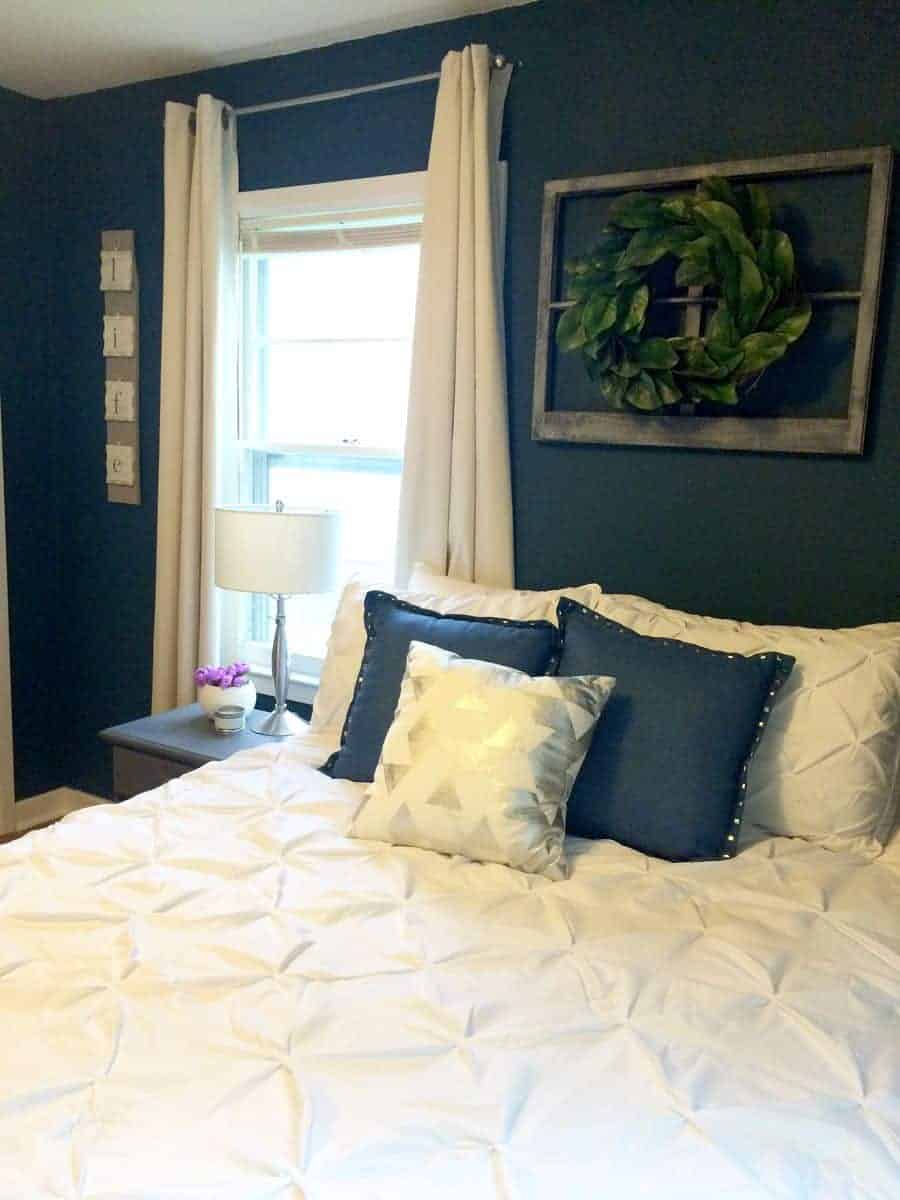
column 456, row 498
column 198, row 379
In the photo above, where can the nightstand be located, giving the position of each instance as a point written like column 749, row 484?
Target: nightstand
column 152, row 750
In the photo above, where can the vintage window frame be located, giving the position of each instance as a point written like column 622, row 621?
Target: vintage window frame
column 787, row 435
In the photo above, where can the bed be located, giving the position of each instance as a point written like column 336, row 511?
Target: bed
column 211, row 991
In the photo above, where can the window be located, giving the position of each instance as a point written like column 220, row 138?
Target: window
column 328, row 287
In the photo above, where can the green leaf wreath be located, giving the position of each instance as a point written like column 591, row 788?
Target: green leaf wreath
column 723, row 237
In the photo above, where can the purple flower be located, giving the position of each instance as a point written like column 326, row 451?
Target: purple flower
column 236, row 674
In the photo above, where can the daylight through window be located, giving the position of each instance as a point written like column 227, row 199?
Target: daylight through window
column 327, row 310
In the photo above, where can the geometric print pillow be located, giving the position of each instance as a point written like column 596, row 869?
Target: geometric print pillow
column 480, row 760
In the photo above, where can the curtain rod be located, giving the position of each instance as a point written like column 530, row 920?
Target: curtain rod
column 498, row 61
column 343, row 93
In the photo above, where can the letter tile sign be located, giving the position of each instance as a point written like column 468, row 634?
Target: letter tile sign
column 119, row 285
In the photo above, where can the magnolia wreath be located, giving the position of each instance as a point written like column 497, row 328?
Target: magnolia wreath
column 725, row 243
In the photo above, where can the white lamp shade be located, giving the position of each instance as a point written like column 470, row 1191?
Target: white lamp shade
column 288, row 553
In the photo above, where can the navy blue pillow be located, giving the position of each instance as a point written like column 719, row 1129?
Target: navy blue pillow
column 667, row 769
column 391, row 624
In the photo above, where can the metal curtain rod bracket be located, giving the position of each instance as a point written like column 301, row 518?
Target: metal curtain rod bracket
column 498, row 62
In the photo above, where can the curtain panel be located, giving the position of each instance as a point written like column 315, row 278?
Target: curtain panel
column 197, row 385
column 456, row 496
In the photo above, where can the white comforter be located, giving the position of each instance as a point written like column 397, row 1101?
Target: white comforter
column 211, row 992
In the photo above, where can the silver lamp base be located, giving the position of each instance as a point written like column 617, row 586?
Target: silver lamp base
column 280, row 722
column 276, row 724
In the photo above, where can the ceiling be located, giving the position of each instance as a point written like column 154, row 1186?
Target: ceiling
column 53, row 48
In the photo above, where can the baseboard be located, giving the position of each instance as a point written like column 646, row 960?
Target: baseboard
column 50, row 806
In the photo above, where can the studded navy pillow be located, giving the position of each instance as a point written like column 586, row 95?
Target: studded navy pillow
column 667, row 769
column 391, row 625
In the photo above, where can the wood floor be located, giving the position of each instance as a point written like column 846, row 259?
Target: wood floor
column 11, row 837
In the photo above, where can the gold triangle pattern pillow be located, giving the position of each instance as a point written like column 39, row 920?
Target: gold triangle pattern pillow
column 480, row 760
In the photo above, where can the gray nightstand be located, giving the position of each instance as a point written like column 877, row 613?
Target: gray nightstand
column 152, row 750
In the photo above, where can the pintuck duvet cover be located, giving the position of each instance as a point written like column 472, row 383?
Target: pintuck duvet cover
column 211, row 992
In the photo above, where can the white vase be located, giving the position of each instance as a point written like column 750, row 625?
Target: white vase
column 210, row 697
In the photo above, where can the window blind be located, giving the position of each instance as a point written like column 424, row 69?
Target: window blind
column 356, row 230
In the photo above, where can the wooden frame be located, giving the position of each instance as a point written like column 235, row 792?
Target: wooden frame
column 807, row 435
column 124, row 370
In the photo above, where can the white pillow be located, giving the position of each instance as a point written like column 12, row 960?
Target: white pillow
column 480, row 760
column 347, row 640
column 827, row 769
column 425, row 578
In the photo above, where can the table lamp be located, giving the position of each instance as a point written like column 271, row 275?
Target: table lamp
column 282, row 552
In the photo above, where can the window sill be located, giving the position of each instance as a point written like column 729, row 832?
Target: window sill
column 301, row 689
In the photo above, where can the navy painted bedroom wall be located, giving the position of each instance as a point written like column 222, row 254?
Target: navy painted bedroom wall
column 30, row 448
column 605, row 86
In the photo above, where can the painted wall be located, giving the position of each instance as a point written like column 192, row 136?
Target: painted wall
column 605, row 86
column 34, row 491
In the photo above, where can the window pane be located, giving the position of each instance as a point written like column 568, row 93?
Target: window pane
column 326, row 363
column 309, row 621
column 343, row 293
column 326, row 393
column 308, row 624
column 368, row 495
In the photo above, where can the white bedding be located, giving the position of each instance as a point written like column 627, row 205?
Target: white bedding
column 210, row 992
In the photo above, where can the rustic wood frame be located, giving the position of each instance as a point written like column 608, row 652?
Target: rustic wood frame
column 126, row 370
column 787, row 435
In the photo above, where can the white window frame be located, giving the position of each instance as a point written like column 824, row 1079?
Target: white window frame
column 383, row 192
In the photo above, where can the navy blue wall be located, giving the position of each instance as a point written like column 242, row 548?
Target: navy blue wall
column 604, row 87
column 34, row 488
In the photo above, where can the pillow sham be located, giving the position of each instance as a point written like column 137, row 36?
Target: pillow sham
column 667, row 770
column 480, row 760
column 828, row 769
column 391, row 625
column 428, row 579
column 347, row 640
